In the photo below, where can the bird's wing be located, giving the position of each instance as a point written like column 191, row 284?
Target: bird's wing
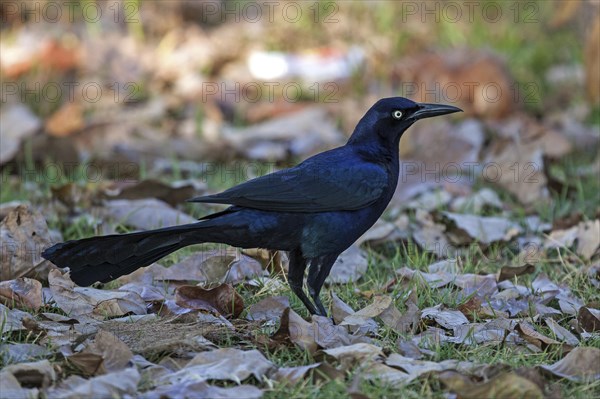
column 309, row 187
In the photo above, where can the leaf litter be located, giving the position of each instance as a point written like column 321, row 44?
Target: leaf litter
column 210, row 324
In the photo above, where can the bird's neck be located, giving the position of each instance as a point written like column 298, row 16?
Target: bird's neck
column 375, row 147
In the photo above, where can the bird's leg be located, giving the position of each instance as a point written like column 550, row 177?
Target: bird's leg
column 317, row 273
column 296, row 279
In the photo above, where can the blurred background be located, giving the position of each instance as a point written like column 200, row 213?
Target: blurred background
column 99, row 96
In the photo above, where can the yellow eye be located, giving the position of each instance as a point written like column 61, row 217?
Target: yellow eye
column 397, row 114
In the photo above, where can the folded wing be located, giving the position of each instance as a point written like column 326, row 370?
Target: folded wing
column 319, row 184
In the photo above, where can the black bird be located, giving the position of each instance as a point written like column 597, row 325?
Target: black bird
column 314, row 210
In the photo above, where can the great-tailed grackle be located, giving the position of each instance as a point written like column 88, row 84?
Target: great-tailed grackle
column 314, row 210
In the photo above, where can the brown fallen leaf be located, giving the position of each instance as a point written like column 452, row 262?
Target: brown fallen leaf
column 433, row 280
column 270, row 309
column 447, row 72
column 503, row 386
column 173, row 193
column 586, row 233
column 96, row 303
column 200, row 389
column 293, row 375
column 529, row 334
column 329, row 335
column 294, row 329
column 589, row 319
column 528, row 183
column 561, row 332
column 482, row 286
column 509, row 272
column 106, row 354
column 350, row 355
column 592, row 66
column 271, row 140
column 416, row 368
column 68, row 119
column 340, row 310
column 483, row 229
column 431, row 236
column 383, row 373
column 118, row 384
column 216, row 266
column 17, row 123
column 349, row 266
column 223, row 299
column 38, row 374
column 21, row 353
column 409, row 349
column 444, row 317
column 474, row 308
column 22, row 292
column 12, row 389
column 144, row 214
column 581, row 364
column 222, row 364
column 24, row 235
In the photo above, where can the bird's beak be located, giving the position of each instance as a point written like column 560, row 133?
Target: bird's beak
column 429, row 110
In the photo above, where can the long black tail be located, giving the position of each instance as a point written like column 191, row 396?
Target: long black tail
column 106, row 258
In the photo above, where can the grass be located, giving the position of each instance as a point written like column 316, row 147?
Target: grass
column 528, row 63
column 560, row 267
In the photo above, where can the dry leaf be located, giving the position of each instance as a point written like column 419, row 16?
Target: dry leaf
column 328, row 335
column 433, row 280
column 106, row 354
column 587, row 235
column 200, row 389
column 592, row 65
column 430, row 235
column 17, row 123
column 502, row 386
column 173, row 194
column 13, row 390
column 269, row 309
column 416, row 368
column 293, row 375
column 223, row 299
column 24, row 235
column 386, row 374
column 144, row 214
column 527, row 332
column 22, row 292
column 340, row 310
column 21, row 353
column 117, row 384
column 589, row 319
column 216, row 266
column 39, row 374
column 77, row 301
column 66, row 121
column 351, row 355
column 294, row 329
column 518, row 168
column 484, row 229
column 581, row 364
column 476, row 202
column 222, row 364
column 349, row 266
column 447, row 72
column 509, row 272
column 444, row 317
column 561, row 332
column 273, row 140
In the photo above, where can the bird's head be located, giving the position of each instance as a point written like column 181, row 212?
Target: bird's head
column 389, row 117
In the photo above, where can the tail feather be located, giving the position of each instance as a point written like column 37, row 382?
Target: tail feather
column 107, row 258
